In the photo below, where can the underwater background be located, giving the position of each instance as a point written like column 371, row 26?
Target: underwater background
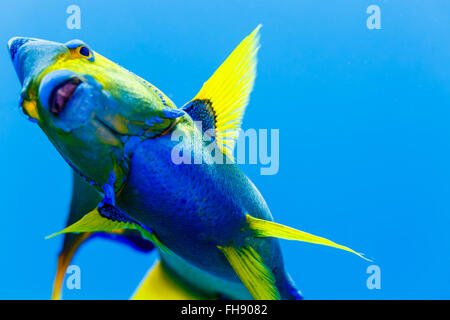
column 364, row 122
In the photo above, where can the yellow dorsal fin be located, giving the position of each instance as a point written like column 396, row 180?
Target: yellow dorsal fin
column 252, row 271
column 227, row 92
column 264, row 228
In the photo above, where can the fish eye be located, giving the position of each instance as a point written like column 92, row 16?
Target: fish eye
column 84, row 51
column 79, row 49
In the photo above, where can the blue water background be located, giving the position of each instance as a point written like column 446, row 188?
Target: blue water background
column 364, row 120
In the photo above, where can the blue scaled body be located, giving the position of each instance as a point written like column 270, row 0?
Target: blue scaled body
column 196, row 207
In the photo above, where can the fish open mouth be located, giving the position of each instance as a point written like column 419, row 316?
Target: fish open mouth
column 61, row 95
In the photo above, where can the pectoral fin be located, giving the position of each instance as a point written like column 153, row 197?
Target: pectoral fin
column 108, row 218
column 84, row 198
column 252, row 271
column 264, row 228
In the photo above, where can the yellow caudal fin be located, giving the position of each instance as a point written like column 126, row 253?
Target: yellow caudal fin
column 94, row 221
column 158, row 284
column 252, row 271
column 221, row 102
column 264, row 228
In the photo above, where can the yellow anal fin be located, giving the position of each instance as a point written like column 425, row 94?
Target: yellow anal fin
column 252, row 271
column 159, row 285
column 227, row 92
column 264, row 228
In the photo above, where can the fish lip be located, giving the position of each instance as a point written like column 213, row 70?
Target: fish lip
column 62, row 94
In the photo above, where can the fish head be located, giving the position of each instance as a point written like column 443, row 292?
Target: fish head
column 88, row 106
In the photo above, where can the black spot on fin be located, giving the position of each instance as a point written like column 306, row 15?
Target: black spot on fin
column 201, row 110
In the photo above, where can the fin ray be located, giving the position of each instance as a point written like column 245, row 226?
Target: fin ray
column 111, row 220
column 264, row 228
column 254, row 274
column 226, row 94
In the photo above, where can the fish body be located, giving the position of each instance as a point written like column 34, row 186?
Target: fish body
column 125, row 138
column 195, row 207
